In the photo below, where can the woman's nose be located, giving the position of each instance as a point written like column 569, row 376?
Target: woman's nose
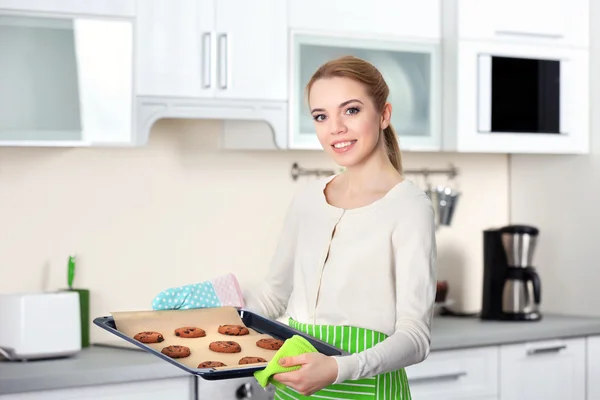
column 337, row 126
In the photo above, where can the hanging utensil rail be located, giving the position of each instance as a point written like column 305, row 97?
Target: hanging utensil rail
column 298, row 171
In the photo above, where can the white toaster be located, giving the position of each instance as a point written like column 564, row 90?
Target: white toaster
column 39, row 325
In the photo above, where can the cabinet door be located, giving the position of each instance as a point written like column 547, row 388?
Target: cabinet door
column 593, row 367
column 549, row 370
column 65, row 80
column 456, row 375
column 410, row 70
column 395, row 18
column 546, row 22
column 121, row 8
column 175, row 388
column 252, row 48
column 176, row 48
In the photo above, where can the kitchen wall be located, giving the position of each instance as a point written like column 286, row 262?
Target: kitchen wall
column 180, row 211
column 560, row 194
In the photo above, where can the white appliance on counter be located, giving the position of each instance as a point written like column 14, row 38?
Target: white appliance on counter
column 39, row 325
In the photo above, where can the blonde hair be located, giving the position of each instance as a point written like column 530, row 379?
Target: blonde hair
column 364, row 72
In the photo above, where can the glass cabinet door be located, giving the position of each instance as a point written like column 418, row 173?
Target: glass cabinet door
column 65, row 80
column 410, row 70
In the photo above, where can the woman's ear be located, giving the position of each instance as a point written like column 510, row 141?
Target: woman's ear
column 386, row 116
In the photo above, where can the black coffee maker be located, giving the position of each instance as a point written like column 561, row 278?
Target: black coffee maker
column 511, row 285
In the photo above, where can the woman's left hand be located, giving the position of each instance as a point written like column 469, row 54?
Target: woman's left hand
column 316, row 372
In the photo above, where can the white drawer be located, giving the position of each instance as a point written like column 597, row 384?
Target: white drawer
column 456, row 374
column 549, row 370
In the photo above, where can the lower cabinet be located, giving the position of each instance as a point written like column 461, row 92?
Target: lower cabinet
column 161, row 389
column 549, row 370
column 456, row 374
column 593, row 368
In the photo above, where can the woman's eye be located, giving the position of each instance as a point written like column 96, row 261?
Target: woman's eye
column 318, row 117
column 352, row 110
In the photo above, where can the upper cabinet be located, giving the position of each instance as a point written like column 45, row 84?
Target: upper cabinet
column 544, row 22
column 479, row 76
column 403, row 43
column 411, row 71
column 404, row 19
column 228, row 49
column 215, row 59
column 516, row 76
column 65, row 80
column 110, row 8
column 175, row 42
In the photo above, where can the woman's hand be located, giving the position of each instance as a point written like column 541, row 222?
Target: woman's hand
column 316, row 372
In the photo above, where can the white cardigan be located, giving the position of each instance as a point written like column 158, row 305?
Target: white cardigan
column 376, row 271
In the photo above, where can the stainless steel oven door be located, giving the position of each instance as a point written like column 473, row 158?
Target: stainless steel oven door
column 233, row 389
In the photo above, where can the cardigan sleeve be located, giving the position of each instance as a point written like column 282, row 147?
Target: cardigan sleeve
column 270, row 298
column 414, row 265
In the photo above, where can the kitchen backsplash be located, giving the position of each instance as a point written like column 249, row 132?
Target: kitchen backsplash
column 180, row 211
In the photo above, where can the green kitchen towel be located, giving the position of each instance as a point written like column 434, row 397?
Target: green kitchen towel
column 293, row 346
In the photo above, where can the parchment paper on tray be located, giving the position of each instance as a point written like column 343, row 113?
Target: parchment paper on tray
column 209, row 319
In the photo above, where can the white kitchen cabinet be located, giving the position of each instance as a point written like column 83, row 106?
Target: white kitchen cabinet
column 411, row 70
column 227, row 49
column 209, row 59
column 543, row 370
column 471, row 104
column 388, row 18
column 175, row 48
column 174, row 388
column 470, row 374
column 65, row 79
column 252, row 47
column 541, row 22
column 113, row 8
column 593, row 368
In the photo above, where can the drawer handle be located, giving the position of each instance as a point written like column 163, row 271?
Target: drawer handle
column 443, row 377
column 544, row 350
column 531, row 34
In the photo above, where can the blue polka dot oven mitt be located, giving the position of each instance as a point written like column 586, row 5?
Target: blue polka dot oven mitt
column 221, row 291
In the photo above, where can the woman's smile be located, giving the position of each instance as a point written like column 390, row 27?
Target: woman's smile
column 343, row 146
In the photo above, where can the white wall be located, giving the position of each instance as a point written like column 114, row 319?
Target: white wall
column 180, row 211
column 561, row 195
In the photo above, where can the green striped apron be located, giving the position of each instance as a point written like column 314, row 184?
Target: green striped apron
column 389, row 386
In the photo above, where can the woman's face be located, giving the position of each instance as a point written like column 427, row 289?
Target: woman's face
column 346, row 120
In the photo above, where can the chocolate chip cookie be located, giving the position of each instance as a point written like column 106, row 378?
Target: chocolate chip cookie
column 149, row 337
column 251, row 360
column 225, row 347
column 176, row 351
column 190, row 332
column 233, row 330
column 211, row 364
column 270, row 344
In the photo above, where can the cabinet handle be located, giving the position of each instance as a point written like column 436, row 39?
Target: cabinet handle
column 543, row 350
column 442, row 377
column 531, row 34
column 206, row 59
column 223, row 60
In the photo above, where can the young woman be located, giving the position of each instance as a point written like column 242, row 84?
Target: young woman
column 356, row 262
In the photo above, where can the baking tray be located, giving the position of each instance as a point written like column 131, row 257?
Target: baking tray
column 251, row 320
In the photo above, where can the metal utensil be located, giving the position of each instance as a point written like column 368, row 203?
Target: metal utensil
column 444, row 201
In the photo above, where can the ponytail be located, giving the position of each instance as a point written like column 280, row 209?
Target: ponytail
column 393, row 148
